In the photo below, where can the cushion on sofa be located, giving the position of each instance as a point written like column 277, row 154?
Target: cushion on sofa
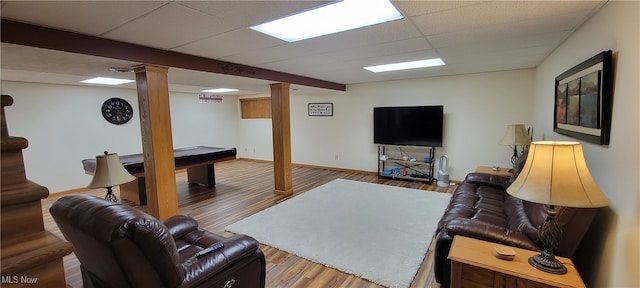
column 519, row 220
column 517, row 167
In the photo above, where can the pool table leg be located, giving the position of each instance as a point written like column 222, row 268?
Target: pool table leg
column 134, row 191
column 204, row 174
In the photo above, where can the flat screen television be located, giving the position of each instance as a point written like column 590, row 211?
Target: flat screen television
column 411, row 126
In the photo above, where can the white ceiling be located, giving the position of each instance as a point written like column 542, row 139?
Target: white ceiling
column 470, row 37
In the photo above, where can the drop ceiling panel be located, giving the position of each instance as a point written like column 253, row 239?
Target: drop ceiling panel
column 357, row 74
column 18, row 57
column 51, row 78
column 486, row 38
column 367, row 76
column 300, row 64
column 240, row 14
column 469, row 17
column 169, row 26
column 517, row 30
column 489, row 48
column 496, row 13
column 197, row 81
column 414, row 8
column 470, row 36
column 350, row 75
column 372, row 35
column 395, row 58
column 268, row 55
column 89, row 17
column 493, row 59
column 329, row 67
column 210, row 80
column 383, row 49
column 491, row 64
column 229, row 44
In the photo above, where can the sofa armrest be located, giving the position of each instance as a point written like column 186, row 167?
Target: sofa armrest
column 180, row 225
column 488, row 180
column 235, row 249
column 489, row 232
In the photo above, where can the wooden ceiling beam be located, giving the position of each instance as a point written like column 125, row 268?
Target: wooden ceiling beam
column 20, row 33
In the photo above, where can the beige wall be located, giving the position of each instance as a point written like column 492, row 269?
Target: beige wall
column 64, row 125
column 611, row 253
column 477, row 109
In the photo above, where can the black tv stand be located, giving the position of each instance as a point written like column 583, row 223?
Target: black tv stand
column 392, row 165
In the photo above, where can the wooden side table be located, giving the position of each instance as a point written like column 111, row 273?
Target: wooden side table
column 502, row 171
column 473, row 265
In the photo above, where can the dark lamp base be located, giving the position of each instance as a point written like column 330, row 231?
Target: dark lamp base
column 547, row 263
column 514, row 157
column 110, row 196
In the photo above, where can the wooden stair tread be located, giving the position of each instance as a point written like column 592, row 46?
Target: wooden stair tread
column 24, row 252
column 22, row 192
column 6, row 100
column 25, row 247
column 11, row 143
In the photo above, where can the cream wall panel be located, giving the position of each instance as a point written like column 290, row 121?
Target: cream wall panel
column 64, row 125
column 477, row 109
column 210, row 124
column 611, row 251
column 255, row 136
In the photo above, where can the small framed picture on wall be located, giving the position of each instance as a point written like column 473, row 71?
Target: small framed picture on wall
column 320, row 109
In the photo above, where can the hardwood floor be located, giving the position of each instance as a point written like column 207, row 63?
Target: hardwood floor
column 244, row 187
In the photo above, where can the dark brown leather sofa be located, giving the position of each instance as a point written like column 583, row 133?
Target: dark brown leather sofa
column 481, row 208
column 119, row 246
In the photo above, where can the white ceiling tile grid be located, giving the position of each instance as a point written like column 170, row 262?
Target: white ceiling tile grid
column 470, row 36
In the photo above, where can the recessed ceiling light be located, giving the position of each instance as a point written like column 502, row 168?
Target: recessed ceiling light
column 220, row 90
column 107, row 81
column 337, row 17
column 406, row 65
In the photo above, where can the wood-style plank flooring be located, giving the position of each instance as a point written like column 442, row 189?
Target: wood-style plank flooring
column 244, row 187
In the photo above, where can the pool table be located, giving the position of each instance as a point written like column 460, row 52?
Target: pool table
column 197, row 160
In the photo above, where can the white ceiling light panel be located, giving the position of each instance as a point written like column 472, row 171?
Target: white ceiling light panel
column 329, row 19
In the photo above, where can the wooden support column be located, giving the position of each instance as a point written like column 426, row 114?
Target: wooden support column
column 157, row 142
column 280, row 121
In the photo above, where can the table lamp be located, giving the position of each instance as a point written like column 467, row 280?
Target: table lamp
column 109, row 172
column 515, row 135
column 555, row 174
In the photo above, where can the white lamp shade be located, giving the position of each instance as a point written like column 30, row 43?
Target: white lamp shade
column 516, row 135
column 109, row 172
column 556, row 173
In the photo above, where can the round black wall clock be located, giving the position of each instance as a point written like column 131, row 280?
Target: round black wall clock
column 117, row 111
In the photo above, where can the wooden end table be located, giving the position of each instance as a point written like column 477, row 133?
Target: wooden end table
column 473, row 265
column 502, row 171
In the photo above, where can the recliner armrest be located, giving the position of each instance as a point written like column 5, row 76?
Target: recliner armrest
column 488, row 180
column 489, row 232
column 180, row 225
column 235, row 249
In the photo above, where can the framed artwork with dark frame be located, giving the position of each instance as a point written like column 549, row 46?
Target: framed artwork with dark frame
column 584, row 100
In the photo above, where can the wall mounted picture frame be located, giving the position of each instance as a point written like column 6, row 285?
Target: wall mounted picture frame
column 584, row 99
column 320, row 109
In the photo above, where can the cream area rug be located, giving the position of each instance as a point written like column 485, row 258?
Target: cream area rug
column 378, row 232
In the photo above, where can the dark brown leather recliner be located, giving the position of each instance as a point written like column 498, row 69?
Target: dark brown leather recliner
column 119, row 246
column 481, row 208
